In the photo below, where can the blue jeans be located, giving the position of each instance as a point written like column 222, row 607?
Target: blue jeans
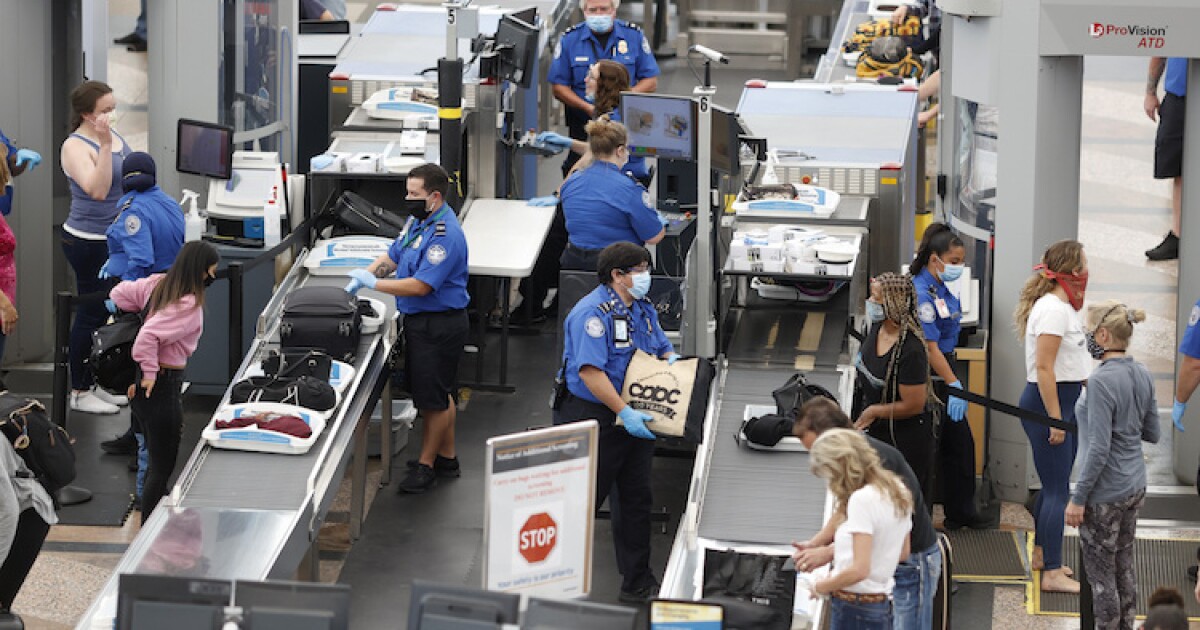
column 1053, row 463
column 143, row 461
column 86, row 257
column 855, row 616
column 916, row 584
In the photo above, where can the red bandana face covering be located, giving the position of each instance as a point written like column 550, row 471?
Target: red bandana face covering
column 1074, row 284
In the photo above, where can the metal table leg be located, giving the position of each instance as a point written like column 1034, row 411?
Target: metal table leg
column 358, row 478
column 310, row 565
column 385, row 438
column 505, row 286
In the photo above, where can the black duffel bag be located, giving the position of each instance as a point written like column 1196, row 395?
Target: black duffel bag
column 352, row 214
column 111, row 357
column 296, row 363
column 325, row 318
column 757, row 590
column 795, row 392
column 304, row 391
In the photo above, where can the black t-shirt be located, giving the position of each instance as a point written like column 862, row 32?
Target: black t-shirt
column 922, row 536
column 913, row 367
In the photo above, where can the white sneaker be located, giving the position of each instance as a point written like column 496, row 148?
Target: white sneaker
column 88, row 402
column 111, row 399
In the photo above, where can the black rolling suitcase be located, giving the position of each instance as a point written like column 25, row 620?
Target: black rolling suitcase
column 945, row 588
column 325, row 318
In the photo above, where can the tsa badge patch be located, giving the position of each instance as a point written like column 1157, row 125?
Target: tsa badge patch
column 594, row 327
column 926, row 313
column 436, row 254
column 622, row 47
column 132, row 225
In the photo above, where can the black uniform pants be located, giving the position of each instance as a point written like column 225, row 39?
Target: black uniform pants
column 26, row 544
column 160, row 419
column 579, row 259
column 956, row 459
column 545, row 271
column 622, row 475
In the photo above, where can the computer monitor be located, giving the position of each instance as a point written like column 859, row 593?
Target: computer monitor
column 660, row 125
column 204, row 149
column 445, row 607
column 152, row 602
column 726, row 144
column 555, row 614
column 516, row 41
column 280, row 605
column 666, row 614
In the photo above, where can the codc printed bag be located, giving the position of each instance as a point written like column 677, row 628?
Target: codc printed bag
column 676, row 396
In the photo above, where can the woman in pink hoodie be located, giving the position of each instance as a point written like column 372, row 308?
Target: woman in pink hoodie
column 169, row 336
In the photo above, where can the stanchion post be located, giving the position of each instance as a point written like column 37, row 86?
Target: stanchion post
column 236, row 282
column 69, row 495
column 1086, row 620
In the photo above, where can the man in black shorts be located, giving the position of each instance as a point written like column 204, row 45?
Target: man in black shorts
column 426, row 269
column 1168, row 143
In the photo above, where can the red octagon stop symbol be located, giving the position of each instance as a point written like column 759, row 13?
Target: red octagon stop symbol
column 537, row 537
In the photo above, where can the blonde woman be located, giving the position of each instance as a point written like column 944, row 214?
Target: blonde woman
column 873, row 511
column 1115, row 414
column 1056, row 365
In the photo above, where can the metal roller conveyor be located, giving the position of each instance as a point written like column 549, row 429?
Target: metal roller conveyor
column 248, row 515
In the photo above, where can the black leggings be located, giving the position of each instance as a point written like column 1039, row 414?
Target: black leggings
column 27, row 543
column 160, row 419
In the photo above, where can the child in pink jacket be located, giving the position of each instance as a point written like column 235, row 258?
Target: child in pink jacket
column 168, row 337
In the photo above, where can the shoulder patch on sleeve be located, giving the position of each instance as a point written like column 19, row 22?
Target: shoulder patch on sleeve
column 132, row 224
column 1195, row 316
column 926, row 313
column 646, row 199
column 646, row 46
column 594, row 327
column 558, row 48
column 436, row 254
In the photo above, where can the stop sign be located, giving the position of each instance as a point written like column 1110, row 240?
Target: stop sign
column 537, row 537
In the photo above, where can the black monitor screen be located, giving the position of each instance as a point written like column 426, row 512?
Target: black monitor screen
column 516, row 41
column 146, row 602
column 204, row 149
column 446, row 606
column 281, row 604
column 660, row 126
column 725, row 144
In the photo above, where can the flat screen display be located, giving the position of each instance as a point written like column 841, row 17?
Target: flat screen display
column 204, row 149
column 660, row 126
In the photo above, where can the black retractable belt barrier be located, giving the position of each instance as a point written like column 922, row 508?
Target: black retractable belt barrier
column 996, row 405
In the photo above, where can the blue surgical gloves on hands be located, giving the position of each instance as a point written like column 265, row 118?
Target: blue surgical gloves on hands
column 1177, row 415
column 635, row 422
column 956, row 407
column 672, row 358
column 553, row 140
column 360, row 278
column 548, row 200
column 28, row 157
column 104, row 274
column 111, row 306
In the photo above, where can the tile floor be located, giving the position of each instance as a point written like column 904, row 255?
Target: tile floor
column 1123, row 212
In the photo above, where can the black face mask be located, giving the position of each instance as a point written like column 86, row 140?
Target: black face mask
column 208, row 280
column 416, row 207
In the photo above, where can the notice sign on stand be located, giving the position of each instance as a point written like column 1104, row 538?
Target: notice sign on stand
column 540, row 511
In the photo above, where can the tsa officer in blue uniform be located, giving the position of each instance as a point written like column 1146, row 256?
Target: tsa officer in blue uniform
column 600, row 336
column 148, row 233
column 429, row 264
column 940, row 260
column 16, row 161
column 600, row 36
column 1189, row 369
column 604, row 205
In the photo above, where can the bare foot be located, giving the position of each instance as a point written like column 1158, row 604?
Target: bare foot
column 1067, row 571
column 1037, row 565
column 1058, row 582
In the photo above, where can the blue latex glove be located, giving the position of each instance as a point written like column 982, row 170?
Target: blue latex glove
column 104, row 275
column 353, row 286
column 542, row 202
column 1177, row 415
column 28, row 156
column 111, row 306
column 556, row 140
column 635, row 422
column 956, row 407
column 663, row 220
column 672, row 358
column 365, row 278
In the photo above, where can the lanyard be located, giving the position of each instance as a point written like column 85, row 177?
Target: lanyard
column 420, row 229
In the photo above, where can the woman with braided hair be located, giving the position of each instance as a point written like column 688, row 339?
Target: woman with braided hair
column 892, row 385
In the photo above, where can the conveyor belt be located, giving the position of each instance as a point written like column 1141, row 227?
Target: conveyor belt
column 757, row 497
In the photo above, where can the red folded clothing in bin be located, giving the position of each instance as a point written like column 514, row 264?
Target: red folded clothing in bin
column 268, row 421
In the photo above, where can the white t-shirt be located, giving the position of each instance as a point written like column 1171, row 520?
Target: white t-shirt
column 870, row 512
column 1052, row 316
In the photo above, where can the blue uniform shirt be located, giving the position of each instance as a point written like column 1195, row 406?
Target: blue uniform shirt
column 146, row 236
column 6, row 195
column 579, row 48
column 943, row 330
column 589, row 338
column 1176, row 76
column 605, row 206
column 1191, row 337
column 433, row 251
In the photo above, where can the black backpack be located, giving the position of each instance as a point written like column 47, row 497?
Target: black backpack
column 46, row 447
column 111, row 359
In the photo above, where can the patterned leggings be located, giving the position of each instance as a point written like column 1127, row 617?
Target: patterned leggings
column 1107, row 534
